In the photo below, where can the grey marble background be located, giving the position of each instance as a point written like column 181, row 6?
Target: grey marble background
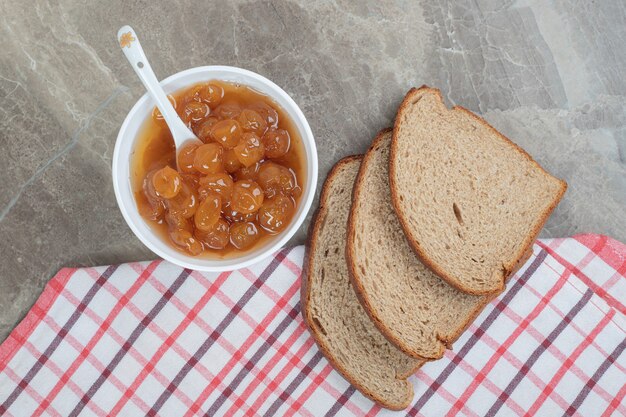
column 548, row 74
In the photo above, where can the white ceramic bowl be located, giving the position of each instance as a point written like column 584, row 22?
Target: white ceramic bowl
column 125, row 144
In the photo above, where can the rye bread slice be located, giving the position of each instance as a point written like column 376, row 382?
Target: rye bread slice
column 469, row 200
column 410, row 305
column 340, row 326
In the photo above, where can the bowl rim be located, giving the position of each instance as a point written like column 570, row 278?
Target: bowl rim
column 216, row 265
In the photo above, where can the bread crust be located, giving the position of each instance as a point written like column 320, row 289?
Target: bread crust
column 411, row 97
column 305, row 295
column 487, row 299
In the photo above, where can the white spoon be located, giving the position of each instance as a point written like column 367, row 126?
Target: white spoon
column 129, row 42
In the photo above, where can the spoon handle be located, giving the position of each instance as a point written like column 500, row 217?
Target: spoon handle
column 129, row 42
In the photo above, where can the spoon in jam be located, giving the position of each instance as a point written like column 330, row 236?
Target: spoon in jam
column 129, row 42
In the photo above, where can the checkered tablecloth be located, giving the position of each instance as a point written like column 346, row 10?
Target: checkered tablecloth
column 153, row 339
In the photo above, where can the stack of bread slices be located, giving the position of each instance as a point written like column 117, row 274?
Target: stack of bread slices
column 414, row 238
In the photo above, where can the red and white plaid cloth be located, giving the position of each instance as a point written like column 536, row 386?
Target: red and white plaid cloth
column 153, row 339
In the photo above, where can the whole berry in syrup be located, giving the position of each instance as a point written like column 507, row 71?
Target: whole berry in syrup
column 208, row 212
column 252, row 121
column 167, row 182
column 219, row 183
column 243, row 235
column 250, row 149
column 276, row 142
column 275, row 213
column 217, row 236
column 247, row 196
column 208, row 158
column 227, row 133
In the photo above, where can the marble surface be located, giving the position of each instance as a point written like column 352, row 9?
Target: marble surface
column 547, row 74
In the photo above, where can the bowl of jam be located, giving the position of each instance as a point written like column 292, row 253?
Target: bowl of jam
column 232, row 200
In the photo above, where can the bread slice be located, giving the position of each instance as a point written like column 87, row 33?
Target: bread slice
column 340, row 326
column 469, row 200
column 415, row 309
